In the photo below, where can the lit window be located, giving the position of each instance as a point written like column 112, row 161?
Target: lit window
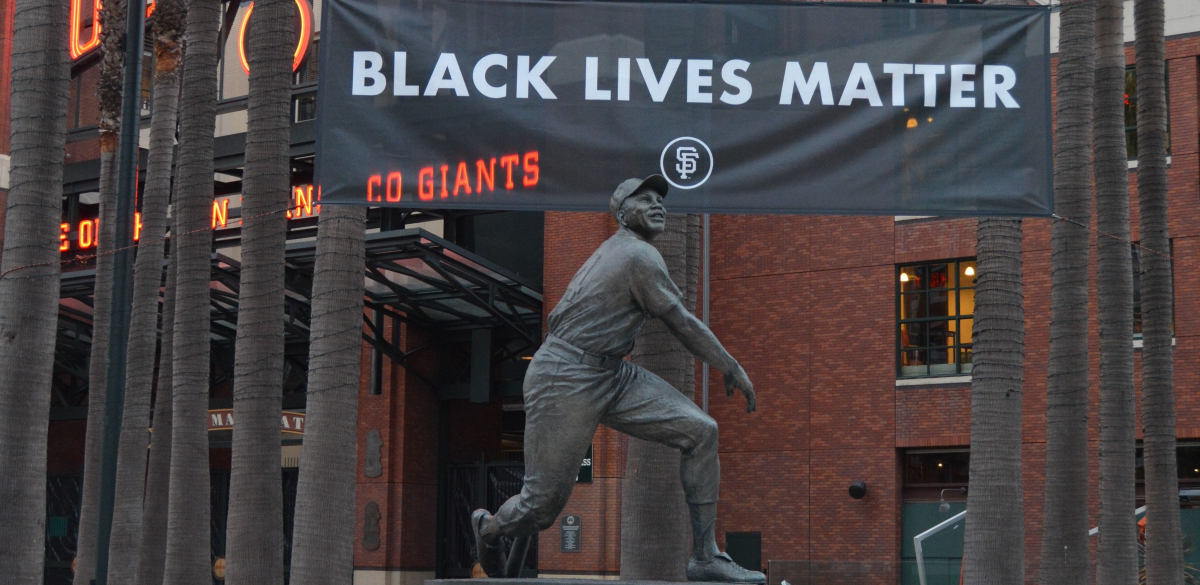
column 935, row 303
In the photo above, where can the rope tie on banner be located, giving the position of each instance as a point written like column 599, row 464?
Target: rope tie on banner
column 1123, row 240
column 84, row 258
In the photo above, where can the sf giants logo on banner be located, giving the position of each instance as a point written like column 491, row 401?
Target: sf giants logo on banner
column 686, row 162
column 86, row 28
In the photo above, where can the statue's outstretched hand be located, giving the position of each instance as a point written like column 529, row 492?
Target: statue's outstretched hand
column 738, row 380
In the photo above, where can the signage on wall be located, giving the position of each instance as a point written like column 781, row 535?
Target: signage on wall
column 745, row 107
column 85, row 233
column 585, row 468
column 569, row 533
column 222, row 420
column 80, row 43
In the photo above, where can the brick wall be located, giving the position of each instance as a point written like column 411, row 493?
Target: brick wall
column 405, row 414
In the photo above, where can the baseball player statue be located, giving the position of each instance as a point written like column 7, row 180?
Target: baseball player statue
column 578, row 379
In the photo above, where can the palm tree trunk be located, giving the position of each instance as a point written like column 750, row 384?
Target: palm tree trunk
column 254, row 535
column 152, row 549
column 189, row 509
column 1116, row 553
column 143, row 326
column 655, row 528
column 29, row 276
column 994, row 539
column 323, row 533
column 1164, row 554
column 112, row 65
column 1065, row 550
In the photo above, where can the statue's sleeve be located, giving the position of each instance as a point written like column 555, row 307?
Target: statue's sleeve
column 651, row 284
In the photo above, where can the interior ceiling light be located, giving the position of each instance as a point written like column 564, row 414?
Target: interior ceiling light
column 970, row 271
column 903, row 277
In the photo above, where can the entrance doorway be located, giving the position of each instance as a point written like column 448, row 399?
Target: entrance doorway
column 468, row 488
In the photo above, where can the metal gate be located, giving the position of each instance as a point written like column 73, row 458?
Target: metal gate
column 468, row 488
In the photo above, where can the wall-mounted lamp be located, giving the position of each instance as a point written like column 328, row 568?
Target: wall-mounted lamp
column 903, row 277
column 944, row 506
column 858, row 490
column 970, row 271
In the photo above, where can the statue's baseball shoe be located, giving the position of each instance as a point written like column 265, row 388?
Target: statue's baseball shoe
column 491, row 556
column 722, row 569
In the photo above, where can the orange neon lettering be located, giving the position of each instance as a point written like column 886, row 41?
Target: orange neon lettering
column 220, row 213
column 372, row 182
column 63, row 243
column 531, row 169
column 150, row 8
column 462, row 178
column 425, row 184
column 444, row 192
column 76, row 48
column 302, row 39
column 508, row 162
column 482, row 173
column 137, row 225
column 87, row 233
column 304, row 203
column 393, row 176
column 317, row 207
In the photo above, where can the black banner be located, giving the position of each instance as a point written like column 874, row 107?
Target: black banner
column 887, row 109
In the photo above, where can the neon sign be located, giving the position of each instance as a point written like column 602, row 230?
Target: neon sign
column 79, row 49
column 87, row 231
column 302, row 39
column 514, row 168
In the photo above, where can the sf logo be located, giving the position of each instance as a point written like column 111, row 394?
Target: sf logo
column 687, row 157
column 686, row 162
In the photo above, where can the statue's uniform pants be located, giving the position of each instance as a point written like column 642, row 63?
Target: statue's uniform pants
column 565, row 400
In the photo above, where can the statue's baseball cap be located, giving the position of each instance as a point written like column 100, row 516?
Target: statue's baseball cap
column 631, row 186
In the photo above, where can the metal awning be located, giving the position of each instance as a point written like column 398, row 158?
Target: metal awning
column 410, row 275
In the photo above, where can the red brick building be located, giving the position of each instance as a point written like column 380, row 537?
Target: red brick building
column 855, row 330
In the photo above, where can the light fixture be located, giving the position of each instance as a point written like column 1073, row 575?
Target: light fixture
column 943, row 505
column 903, row 277
column 912, row 123
column 970, row 271
column 939, row 463
column 858, row 489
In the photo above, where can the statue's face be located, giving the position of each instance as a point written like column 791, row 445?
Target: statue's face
column 643, row 212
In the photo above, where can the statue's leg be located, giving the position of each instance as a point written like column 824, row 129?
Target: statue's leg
column 649, row 408
column 563, row 406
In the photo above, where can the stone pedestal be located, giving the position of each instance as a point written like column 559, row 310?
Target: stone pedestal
column 526, row 581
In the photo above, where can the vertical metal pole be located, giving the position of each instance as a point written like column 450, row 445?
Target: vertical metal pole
column 122, row 295
column 707, row 289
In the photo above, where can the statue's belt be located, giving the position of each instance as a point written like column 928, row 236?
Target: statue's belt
column 573, row 354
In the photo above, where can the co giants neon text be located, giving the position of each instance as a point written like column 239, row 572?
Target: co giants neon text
column 461, row 180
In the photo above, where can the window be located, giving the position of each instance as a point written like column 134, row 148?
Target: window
column 1137, row 289
column 935, row 304
column 1131, row 113
column 1187, row 462
column 941, row 468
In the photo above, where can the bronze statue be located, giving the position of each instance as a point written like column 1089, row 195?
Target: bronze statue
column 579, row 379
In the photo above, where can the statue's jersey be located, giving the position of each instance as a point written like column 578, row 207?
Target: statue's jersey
column 609, row 299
